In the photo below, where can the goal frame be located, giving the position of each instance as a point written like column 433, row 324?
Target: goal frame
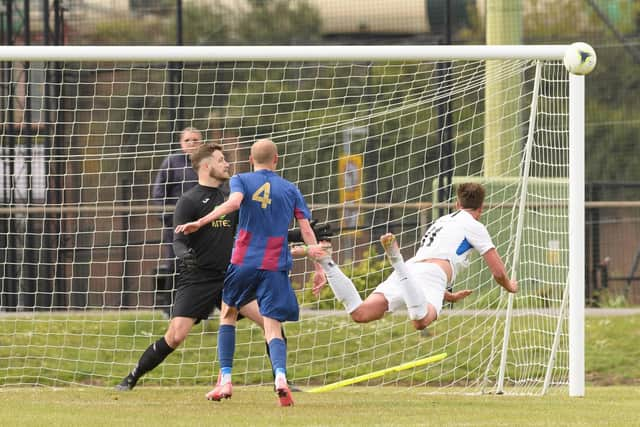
column 374, row 53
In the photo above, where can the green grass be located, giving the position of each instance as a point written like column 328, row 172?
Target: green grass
column 612, row 350
column 101, row 349
column 256, row 406
column 612, row 355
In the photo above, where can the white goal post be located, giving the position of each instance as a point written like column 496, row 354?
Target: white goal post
column 376, row 137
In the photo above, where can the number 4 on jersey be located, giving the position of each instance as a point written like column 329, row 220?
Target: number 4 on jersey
column 262, row 195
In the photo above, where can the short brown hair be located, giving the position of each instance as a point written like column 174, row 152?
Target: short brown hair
column 202, row 152
column 470, row 195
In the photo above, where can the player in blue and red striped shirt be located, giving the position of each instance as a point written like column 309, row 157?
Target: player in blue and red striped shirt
column 260, row 261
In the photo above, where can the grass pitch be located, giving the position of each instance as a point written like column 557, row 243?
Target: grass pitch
column 612, row 355
column 353, row 406
column 100, row 349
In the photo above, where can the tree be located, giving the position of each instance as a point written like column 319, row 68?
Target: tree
column 208, row 24
column 279, row 22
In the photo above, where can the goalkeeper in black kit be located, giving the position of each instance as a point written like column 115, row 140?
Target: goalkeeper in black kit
column 203, row 258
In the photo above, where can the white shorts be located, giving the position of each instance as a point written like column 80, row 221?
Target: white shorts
column 428, row 277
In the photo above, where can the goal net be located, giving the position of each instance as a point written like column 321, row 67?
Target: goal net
column 376, row 139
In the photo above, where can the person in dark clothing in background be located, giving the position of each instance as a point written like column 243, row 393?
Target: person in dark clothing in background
column 174, row 178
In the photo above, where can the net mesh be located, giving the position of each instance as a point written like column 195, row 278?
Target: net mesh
column 375, row 147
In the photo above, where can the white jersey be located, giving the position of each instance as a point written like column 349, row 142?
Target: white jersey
column 451, row 238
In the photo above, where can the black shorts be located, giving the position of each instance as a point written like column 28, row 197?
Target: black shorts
column 198, row 294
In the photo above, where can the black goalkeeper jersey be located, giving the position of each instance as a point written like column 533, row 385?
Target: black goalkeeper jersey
column 213, row 242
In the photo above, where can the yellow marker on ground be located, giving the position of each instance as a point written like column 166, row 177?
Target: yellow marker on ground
column 376, row 374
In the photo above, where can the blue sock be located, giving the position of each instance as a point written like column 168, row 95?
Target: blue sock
column 226, row 347
column 278, row 352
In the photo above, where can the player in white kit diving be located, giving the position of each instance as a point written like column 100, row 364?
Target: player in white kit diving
column 420, row 283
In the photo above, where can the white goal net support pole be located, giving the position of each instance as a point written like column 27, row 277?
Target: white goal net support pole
column 376, row 137
column 576, row 235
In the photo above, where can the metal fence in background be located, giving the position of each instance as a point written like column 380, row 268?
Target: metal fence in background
column 613, row 243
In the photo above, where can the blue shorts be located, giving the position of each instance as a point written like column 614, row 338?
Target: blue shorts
column 272, row 289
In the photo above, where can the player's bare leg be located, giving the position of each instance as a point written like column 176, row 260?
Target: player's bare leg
column 178, row 330
column 252, row 312
column 373, row 308
column 431, row 315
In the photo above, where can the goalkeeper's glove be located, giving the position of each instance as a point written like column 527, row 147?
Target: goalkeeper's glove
column 322, row 232
column 188, row 261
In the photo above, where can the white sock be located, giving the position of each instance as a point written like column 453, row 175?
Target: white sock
column 280, row 376
column 226, row 378
column 413, row 296
column 342, row 287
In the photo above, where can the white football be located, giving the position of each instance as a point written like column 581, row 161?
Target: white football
column 580, row 58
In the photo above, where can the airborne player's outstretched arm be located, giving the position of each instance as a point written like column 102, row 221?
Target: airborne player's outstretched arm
column 499, row 272
column 456, row 296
